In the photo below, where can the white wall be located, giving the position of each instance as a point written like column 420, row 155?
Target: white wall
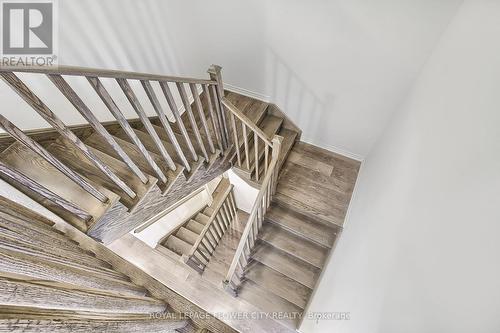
column 338, row 68
column 420, row 249
column 171, row 221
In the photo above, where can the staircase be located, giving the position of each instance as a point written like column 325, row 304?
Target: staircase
column 180, row 242
column 107, row 178
column 49, row 283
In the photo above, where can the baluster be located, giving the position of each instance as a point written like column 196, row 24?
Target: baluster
column 233, row 203
column 247, row 250
column 187, row 106
column 217, row 228
column 245, row 142
column 173, row 107
column 165, row 122
column 115, row 111
column 214, row 234
column 203, row 254
column 221, row 222
column 228, row 216
column 201, row 112
column 235, row 135
column 259, row 217
column 251, row 238
column 275, row 156
column 266, row 158
column 208, row 244
column 44, row 192
column 223, row 130
column 224, row 218
column 256, row 144
column 212, row 116
column 216, row 75
column 243, row 258
column 136, row 105
column 37, row 148
column 27, row 95
column 82, row 108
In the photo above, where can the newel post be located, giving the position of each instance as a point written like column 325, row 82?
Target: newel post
column 277, row 140
column 215, row 73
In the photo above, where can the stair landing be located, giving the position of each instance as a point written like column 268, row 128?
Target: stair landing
column 317, row 183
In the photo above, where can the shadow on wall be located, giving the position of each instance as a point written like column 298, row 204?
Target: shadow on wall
column 293, row 95
column 96, row 34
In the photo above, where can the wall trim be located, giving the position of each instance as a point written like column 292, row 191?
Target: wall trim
column 248, row 93
column 266, row 98
column 334, row 149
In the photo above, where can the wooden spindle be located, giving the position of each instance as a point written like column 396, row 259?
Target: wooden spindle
column 223, row 130
column 122, row 121
column 245, row 143
column 43, row 192
column 215, row 72
column 194, row 126
column 27, row 95
column 37, row 148
column 136, row 105
column 173, row 107
column 201, row 113
column 266, row 158
column 256, row 149
column 221, row 222
column 206, row 92
column 165, row 122
column 82, row 108
column 236, row 141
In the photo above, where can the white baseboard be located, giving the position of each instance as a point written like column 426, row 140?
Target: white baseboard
column 265, row 98
column 334, row 149
column 248, row 93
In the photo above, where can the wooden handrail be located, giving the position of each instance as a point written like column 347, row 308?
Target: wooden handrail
column 94, row 72
column 225, row 210
column 212, row 218
column 142, row 136
column 234, row 110
column 254, row 222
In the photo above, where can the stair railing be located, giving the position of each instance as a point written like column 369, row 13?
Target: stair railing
column 235, row 274
column 224, row 213
column 243, row 129
column 204, row 130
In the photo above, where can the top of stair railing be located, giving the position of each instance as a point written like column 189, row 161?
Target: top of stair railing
column 102, row 73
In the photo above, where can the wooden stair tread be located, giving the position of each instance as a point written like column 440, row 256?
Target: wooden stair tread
column 277, row 283
column 194, row 226
column 269, row 302
column 202, row 218
column 307, row 210
column 213, row 277
column 323, row 155
column 287, row 265
column 78, row 162
column 208, row 211
column 33, row 166
column 303, row 226
column 224, row 253
column 168, row 253
column 151, row 146
column 133, row 152
column 186, row 235
column 293, row 245
column 177, row 245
